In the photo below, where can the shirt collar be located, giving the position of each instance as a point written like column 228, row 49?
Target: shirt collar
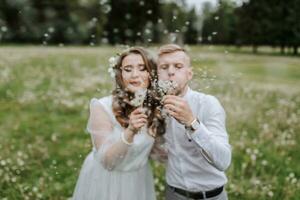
column 187, row 93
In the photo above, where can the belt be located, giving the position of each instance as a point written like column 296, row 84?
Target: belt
column 198, row 195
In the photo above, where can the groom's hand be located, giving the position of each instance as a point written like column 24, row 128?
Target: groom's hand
column 178, row 108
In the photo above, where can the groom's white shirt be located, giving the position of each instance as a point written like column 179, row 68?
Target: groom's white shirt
column 198, row 164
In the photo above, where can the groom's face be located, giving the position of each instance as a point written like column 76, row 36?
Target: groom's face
column 175, row 67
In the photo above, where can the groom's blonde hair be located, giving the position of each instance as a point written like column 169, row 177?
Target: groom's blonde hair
column 171, row 48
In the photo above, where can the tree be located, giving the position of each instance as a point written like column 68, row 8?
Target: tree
column 131, row 21
column 220, row 25
column 191, row 27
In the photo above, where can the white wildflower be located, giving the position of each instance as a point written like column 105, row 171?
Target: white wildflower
column 164, row 113
column 166, row 87
column 270, row 194
column 112, row 62
column 111, row 71
column 264, row 162
column 3, row 163
column 139, row 97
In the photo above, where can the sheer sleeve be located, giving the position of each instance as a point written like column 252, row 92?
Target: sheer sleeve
column 109, row 148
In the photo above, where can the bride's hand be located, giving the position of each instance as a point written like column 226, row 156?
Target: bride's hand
column 137, row 120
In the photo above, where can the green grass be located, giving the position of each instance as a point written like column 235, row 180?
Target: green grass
column 44, row 97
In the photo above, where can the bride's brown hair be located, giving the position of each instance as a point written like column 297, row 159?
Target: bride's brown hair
column 121, row 97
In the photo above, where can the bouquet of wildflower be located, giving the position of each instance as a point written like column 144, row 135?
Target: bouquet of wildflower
column 139, row 97
column 138, row 100
column 166, row 87
column 163, row 88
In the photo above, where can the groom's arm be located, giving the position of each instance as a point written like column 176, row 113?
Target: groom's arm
column 211, row 135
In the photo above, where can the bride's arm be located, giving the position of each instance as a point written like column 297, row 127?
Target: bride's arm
column 110, row 149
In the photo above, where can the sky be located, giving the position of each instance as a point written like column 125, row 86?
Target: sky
column 199, row 3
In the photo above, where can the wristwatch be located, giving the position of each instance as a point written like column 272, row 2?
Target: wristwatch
column 194, row 125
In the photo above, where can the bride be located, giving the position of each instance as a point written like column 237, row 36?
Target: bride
column 123, row 128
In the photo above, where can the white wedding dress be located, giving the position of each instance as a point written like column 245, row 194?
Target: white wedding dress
column 114, row 170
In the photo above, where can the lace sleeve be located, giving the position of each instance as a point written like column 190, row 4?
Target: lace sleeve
column 110, row 150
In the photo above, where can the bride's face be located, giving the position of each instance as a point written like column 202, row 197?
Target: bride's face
column 134, row 73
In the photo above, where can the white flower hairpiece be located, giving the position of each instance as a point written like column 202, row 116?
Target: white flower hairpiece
column 114, row 60
column 112, row 63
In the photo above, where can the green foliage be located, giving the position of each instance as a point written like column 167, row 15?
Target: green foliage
column 255, row 23
column 44, row 97
column 219, row 27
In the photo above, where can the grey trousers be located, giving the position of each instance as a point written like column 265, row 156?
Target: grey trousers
column 171, row 195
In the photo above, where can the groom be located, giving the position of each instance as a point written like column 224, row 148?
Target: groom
column 196, row 137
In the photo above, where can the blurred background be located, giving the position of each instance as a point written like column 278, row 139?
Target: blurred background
column 273, row 23
column 54, row 59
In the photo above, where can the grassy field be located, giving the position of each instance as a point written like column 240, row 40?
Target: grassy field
column 44, row 97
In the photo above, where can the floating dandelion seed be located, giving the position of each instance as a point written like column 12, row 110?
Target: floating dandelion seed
column 128, row 16
column 116, row 30
column 101, row 2
column 51, row 29
column 106, row 8
column 147, row 31
column 4, row 29
column 173, row 37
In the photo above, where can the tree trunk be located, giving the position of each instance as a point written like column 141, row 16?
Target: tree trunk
column 282, row 49
column 295, row 50
column 254, row 48
column 273, row 48
column 290, row 50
